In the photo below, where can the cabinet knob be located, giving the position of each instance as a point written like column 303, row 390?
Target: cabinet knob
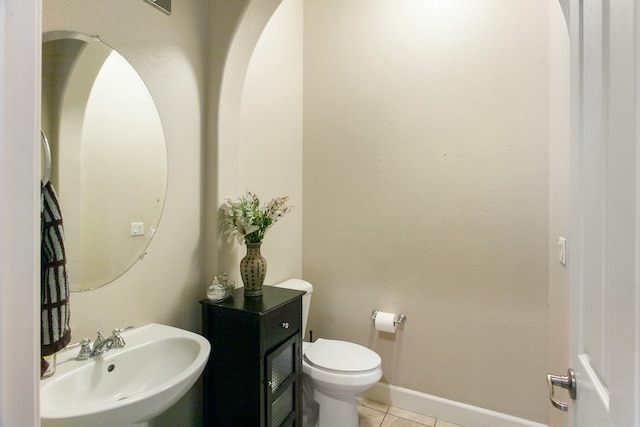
column 285, row 325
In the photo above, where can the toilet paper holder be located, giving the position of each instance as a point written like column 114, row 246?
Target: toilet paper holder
column 400, row 319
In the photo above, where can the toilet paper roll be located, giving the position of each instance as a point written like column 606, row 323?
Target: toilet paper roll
column 386, row 322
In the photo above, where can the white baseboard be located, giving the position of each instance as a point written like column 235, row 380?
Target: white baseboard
column 448, row 410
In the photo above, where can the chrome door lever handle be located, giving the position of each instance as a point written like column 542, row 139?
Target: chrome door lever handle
column 567, row 382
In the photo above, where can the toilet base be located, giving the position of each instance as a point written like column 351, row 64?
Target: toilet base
column 336, row 410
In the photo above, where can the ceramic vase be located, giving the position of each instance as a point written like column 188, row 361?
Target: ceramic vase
column 253, row 268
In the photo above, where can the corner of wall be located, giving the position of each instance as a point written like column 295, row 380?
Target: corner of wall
column 244, row 22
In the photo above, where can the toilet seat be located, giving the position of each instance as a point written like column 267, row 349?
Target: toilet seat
column 341, row 357
column 363, row 373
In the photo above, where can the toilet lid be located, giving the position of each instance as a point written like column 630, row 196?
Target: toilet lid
column 341, row 356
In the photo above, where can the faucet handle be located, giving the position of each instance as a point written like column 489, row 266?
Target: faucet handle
column 99, row 339
column 118, row 341
column 85, row 350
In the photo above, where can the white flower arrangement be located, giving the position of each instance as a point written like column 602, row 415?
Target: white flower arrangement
column 247, row 221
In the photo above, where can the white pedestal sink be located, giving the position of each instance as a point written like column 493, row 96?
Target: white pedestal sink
column 126, row 386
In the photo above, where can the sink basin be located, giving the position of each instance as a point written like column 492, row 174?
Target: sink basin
column 126, row 386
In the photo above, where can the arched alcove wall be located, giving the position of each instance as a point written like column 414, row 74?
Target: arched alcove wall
column 257, row 126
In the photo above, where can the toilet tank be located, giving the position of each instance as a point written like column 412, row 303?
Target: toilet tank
column 300, row 285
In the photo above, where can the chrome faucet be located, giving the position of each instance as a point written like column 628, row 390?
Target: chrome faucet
column 101, row 345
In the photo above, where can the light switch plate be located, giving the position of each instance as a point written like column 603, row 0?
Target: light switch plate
column 562, row 250
column 137, row 228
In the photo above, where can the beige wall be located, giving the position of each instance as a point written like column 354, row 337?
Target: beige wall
column 426, row 191
column 270, row 137
column 170, row 54
column 559, row 101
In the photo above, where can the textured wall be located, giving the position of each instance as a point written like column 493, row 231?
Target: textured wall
column 559, row 101
column 169, row 53
column 426, row 191
column 270, row 137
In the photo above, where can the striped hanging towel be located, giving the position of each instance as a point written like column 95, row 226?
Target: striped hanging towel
column 54, row 283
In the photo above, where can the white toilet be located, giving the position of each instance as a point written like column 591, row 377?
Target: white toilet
column 334, row 373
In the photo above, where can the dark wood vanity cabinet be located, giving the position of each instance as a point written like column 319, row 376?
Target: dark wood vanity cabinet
column 254, row 374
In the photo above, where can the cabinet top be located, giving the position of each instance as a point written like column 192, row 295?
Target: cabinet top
column 271, row 298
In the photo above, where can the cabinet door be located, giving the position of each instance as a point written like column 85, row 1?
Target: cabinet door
column 282, row 383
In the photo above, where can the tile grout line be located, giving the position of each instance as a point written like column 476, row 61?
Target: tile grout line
column 433, row 422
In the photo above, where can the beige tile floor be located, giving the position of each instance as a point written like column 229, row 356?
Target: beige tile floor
column 375, row 414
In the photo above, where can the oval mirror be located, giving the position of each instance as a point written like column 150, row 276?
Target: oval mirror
column 108, row 156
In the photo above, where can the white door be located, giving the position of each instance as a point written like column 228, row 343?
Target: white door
column 604, row 243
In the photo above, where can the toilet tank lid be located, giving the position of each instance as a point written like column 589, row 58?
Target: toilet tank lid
column 296, row 284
